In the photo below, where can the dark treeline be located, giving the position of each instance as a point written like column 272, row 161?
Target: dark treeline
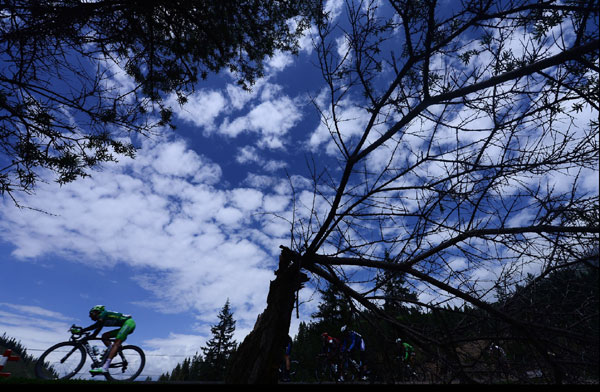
column 471, row 339
column 480, row 348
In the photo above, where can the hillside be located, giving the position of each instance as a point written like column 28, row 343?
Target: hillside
column 23, row 368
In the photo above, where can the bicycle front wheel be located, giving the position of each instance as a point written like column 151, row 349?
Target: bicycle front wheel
column 322, row 370
column 60, row 362
column 127, row 364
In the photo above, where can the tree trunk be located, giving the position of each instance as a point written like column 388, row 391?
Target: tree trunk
column 259, row 356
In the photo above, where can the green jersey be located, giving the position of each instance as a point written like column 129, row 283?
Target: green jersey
column 112, row 319
column 107, row 318
column 408, row 350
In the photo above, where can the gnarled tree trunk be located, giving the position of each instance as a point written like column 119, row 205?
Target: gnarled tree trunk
column 260, row 354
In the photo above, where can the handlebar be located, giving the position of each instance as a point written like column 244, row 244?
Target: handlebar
column 80, row 336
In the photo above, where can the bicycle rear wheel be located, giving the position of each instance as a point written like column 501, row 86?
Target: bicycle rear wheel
column 323, row 370
column 60, row 362
column 127, row 364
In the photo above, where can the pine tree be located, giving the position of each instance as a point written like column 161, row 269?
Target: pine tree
column 220, row 347
column 334, row 311
column 395, row 291
column 196, row 367
column 164, row 377
column 175, row 375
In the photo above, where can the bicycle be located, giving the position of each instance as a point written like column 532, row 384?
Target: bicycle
column 352, row 370
column 282, row 377
column 326, row 368
column 64, row 360
column 409, row 373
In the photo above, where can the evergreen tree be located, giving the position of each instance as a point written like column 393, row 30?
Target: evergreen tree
column 196, row 367
column 164, row 377
column 334, row 311
column 176, row 373
column 185, row 370
column 395, row 291
column 220, row 347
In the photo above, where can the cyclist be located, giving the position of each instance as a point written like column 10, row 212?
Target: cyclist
column 406, row 351
column 104, row 318
column 353, row 342
column 330, row 347
column 287, row 357
column 497, row 356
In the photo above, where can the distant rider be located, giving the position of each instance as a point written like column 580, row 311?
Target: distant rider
column 405, row 350
column 353, row 342
column 287, row 359
column 330, row 347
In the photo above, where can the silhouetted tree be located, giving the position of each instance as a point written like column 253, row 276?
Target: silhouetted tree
column 219, row 348
column 466, row 135
column 62, row 106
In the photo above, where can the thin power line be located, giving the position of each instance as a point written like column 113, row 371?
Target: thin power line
column 146, row 354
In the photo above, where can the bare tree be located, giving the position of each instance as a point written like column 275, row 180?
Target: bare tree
column 467, row 140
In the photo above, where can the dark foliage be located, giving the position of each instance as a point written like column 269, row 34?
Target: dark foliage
column 61, row 107
column 469, row 335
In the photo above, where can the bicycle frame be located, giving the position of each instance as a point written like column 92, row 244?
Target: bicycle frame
column 331, row 367
column 96, row 358
column 349, row 366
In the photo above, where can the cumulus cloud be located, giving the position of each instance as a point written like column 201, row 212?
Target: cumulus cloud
column 351, row 121
column 250, row 154
column 201, row 108
column 268, row 115
column 161, row 214
column 270, row 120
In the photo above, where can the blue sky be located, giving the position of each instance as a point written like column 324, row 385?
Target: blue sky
column 195, row 219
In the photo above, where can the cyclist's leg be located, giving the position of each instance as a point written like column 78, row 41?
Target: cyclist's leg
column 107, row 340
column 120, row 336
column 108, row 335
column 288, row 363
column 363, row 363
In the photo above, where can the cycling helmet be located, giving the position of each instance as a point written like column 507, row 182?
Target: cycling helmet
column 398, row 340
column 324, row 335
column 97, row 309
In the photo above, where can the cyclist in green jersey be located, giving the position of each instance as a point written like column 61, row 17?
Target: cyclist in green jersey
column 104, row 318
column 406, row 351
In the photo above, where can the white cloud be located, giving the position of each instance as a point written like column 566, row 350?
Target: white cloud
column 279, row 61
column 334, row 8
column 238, row 97
column 271, row 120
column 247, row 199
column 174, row 159
column 201, row 108
column 35, row 311
column 249, row 154
column 161, row 213
column 35, row 335
column 351, row 122
column 178, row 346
